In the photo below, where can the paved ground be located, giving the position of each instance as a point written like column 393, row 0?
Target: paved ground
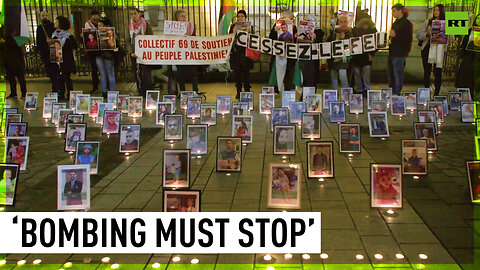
column 437, row 218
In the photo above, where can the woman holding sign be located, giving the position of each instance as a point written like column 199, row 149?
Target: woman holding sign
column 105, row 61
column 239, row 63
column 432, row 52
column 338, row 66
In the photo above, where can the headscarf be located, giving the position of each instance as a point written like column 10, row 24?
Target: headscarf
column 61, row 35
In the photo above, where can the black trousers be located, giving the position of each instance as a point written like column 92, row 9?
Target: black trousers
column 64, row 81
column 242, row 76
column 183, row 73
column 427, row 71
column 308, row 72
column 93, row 63
column 50, row 70
column 288, row 78
column 143, row 77
column 16, row 72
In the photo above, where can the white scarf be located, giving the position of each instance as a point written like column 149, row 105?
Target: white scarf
column 61, row 35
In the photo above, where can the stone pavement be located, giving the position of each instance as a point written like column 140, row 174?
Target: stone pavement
column 437, row 218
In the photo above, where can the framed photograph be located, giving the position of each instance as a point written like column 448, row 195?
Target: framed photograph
column 152, row 99
column 287, row 97
column 56, row 54
column 31, row 100
column 122, row 103
column 74, row 119
column 398, row 105
column 193, row 108
column 181, row 200
column 106, row 35
column 465, row 94
column 223, row 104
column 102, row 107
column 11, row 110
column 373, row 95
column 10, row 173
column 438, row 32
column 229, row 154
column 436, row 106
column 112, row 97
column 94, row 103
column 378, row 124
column 111, row 122
column 16, row 129
column 268, row 90
column 473, row 172
column 135, row 106
column 284, row 140
column 296, row 109
column 247, row 97
column 387, row 94
column 311, row 125
column 184, row 95
column 468, row 111
column 47, row 106
column 423, row 96
column 284, row 186
column 267, row 102
column 197, row 139
column 56, row 107
column 313, row 103
column 72, row 103
column 279, row 117
column 83, row 104
column 345, row 94
column 426, row 131
column 90, row 39
column 13, row 118
column 162, row 109
column 427, row 116
column 414, row 157
column 349, row 138
column 208, row 115
column 320, row 159
column 379, row 106
column 242, row 126
column 329, row 96
column 88, row 153
column 176, row 168
column 444, row 101
column 337, row 112
column 172, row 99
column 410, row 100
column 386, row 186
column 356, row 103
column 455, row 101
column 73, row 187
column 74, row 133
column 16, row 151
column 307, row 90
column 63, row 119
column 173, row 127
column 129, row 139
column 51, row 95
column 240, row 108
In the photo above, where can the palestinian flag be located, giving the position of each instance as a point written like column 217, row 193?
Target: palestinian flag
column 15, row 20
column 227, row 10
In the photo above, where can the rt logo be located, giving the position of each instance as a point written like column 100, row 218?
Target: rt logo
column 456, row 23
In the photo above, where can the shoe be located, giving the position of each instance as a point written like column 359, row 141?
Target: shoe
column 237, row 96
column 22, row 97
column 12, row 96
column 93, row 91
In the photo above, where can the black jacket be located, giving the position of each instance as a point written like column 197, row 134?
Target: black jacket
column 68, row 64
column 361, row 60
column 42, row 44
column 401, row 44
column 238, row 60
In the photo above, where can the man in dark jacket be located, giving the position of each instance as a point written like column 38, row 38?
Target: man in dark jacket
column 401, row 36
column 13, row 62
column 44, row 31
column 362, row 63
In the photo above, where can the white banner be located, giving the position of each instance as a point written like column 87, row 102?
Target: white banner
column 182, row 50
column 154, row 232
column 175, row 28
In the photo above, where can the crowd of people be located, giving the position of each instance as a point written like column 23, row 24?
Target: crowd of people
column 344, row 71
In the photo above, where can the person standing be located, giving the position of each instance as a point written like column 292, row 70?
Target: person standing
column 338, row 66
column 92, row 55
column 67, row 66
column 139, row 26
column 105, row 61
column 400, row 45
column 362, row 63
column 239, row 63
column 432, row 54
column 13, row 62
column 44, row 31
column 312, row 34
column 186, row 71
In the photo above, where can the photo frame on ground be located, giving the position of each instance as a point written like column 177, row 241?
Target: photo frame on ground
column 56, row 107
column 329, row 96
column 423, row 96
column 172, row 99
column 386, row 95
column 468, row 111
column 311, row 125
column 83, row 104
column 279, row 117
column 122, row 103
column 72, row 102
column 74, row 133
column 31, row 100
column 63, row 119
column 151, row 100
column 437, row 106
column 173, row 127
column 129, row 139
column 176, row 168
column 102, row 107
column 135, row 106
column 473, row 172
column 284, row 186
column 337, row 112
column 184, row 95
column 345, row 93
column 229, row 154
column 373, row 95
column 197, row 139
column 88, row 153
column 47, row 106
column 242, row 126
column 306, row 91
column 16, row 151
column 247, row 97
column 287, row 97
column 284, row 142
column 10, row 173
column 181, row 200
column 112, row 97
column 379, row 106
column 73, row 187
column 13, row 118
column 349, row 138
column 398, row 105
column 444, row 101
column 267, row 102
column 356, row 103
column 208, row 114
column 94, row 104
column 386, row 187
column 223, row 104
column 194, row 107
column 313, row 103
column 240, row 108
column 17, row 129
column 111, row 122
column 426, row 131
column 320, row 159
column 414, row 157
column 296, row 110
column 455, row 101
column 162, row 109
column 410, row 100
column 378, row 124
